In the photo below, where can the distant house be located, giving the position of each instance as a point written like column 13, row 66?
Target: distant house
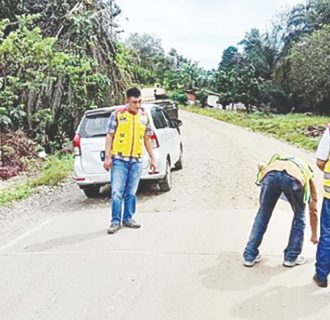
column 213, row 101
column 191, row 96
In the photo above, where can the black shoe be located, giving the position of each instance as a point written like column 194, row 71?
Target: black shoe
column 320, row 283
column 114, row 227
column 131, row 224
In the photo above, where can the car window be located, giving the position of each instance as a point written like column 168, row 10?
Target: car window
column 168, row 120
column 94, row 126
column 158, row 119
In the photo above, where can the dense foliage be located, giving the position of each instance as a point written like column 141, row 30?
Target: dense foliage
column 57, row 59
column 285, row 69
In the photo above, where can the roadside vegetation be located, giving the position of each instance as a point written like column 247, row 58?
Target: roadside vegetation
column 298, row 129
column 54, row 170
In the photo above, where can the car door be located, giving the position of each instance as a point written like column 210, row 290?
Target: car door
column 161, row 131
column 173, row 138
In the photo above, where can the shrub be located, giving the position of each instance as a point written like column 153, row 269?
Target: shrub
column 16, row 151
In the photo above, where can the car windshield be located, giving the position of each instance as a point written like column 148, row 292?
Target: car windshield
column 94, row 126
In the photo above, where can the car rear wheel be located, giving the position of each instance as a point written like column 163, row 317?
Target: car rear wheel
column 166, row 184
column 92, row 191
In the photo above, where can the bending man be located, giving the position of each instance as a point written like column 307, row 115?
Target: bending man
column 293, row 178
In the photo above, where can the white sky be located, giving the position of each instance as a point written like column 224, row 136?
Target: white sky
column 199, row 29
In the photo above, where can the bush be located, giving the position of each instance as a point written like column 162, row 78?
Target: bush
column 16, row 152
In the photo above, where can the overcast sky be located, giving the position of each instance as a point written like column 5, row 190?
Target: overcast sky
column 199, row 29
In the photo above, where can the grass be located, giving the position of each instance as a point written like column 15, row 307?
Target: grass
column 55, row 170
column 288, row 128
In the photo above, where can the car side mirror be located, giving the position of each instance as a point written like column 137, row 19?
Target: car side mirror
column 178, row 123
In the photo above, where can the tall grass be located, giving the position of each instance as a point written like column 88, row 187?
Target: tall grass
column 289, row 128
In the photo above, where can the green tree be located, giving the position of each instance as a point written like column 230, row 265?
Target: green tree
column 229, row 59
column 303, row 19
column 149, row 60
column 310, row 69
column 30, row 68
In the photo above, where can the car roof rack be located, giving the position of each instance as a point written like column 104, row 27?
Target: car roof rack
column 153, row 101
column 100, row 111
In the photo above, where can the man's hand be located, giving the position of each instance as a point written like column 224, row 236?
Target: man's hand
column 107, row 164
column 153, row 165
column 314, row 239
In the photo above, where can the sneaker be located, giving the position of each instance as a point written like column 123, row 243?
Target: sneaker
column 250, row 264
column 114, row 227
column 298, row 262
column 320, row 283
column 131, row 224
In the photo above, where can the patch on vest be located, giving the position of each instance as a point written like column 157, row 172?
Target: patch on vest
column 122, row 118
column 144, row 119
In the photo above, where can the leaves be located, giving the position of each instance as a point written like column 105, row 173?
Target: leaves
column 310, row 69
column 62, row 59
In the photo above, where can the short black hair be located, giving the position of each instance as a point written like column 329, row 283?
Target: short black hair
column 133, row 92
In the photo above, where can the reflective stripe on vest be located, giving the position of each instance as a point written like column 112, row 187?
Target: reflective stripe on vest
column 128, row 139
column 304, row 168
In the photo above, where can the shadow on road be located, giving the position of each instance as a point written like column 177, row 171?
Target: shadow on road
column 64, row 241
column 281, row 302
column 77, row 200
column 230, row 275
column 145, row 190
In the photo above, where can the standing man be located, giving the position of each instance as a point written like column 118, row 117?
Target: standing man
column 294, row 178
column 128, row 130
column 323, row 249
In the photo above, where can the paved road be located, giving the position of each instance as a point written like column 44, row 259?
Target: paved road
column 185, row 263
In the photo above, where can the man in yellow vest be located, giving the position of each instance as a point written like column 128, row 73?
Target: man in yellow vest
column 323, row 249
column 293, row 178
column 128, row 131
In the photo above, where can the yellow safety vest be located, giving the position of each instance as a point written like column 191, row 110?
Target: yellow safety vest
column 326, row 183
column 128, row 139
column 305, row 169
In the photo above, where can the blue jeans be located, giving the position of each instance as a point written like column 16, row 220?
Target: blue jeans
column 125, row 177
column 271, row 189
column 323, row 248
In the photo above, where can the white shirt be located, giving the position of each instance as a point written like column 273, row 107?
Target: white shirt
column 323, row 150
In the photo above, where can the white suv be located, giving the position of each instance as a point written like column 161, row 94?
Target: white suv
column 89, row 145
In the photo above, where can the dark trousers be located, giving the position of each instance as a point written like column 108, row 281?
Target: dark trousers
column 273, row 185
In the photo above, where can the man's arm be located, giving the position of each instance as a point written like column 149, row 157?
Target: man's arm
column 111, row 129
column 323, row 150
column 321, row 164
column 108, row 146
column 147, row 144
column 313, row 212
